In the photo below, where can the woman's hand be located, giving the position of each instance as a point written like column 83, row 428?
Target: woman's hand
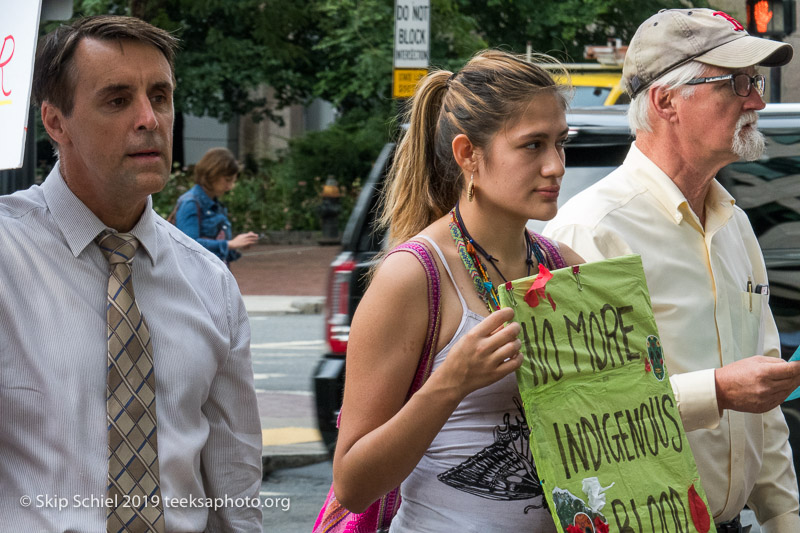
column 486, row 354
column 243, row 241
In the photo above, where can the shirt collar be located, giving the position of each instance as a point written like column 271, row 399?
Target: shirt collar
column 80, row 226
column 664, row 190
column 719, row 207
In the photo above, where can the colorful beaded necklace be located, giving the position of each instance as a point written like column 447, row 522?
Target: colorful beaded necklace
column 470, row 253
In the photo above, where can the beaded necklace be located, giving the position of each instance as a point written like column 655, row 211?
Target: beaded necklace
column 470, row 253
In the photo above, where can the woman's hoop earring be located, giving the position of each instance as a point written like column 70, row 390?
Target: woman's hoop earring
column 471, row 188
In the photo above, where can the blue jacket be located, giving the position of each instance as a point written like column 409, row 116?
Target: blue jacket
column 213, row 230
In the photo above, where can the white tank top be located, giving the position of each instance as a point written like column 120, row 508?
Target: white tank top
column 478, row 474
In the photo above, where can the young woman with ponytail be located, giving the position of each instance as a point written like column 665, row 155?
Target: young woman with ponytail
column 484, row 153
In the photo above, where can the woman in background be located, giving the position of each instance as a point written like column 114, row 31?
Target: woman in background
column 201, row 215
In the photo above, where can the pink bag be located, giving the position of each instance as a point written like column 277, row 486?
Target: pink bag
column 333, row 518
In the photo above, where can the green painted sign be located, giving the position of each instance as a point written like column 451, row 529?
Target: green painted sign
column 606, row 436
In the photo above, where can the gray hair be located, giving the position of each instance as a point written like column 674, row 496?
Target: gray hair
column 638, row 117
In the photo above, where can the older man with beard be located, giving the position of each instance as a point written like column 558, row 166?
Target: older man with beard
column 695, row 92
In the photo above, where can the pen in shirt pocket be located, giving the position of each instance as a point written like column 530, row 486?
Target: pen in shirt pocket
column 760, row 288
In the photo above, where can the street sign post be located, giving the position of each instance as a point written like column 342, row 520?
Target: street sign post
column 412, row 25
column 19, row 24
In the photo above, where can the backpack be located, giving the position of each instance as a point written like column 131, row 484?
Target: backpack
column 173, row 216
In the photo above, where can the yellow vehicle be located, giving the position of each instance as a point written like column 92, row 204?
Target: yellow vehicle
column 598, row 83
column 594, row 84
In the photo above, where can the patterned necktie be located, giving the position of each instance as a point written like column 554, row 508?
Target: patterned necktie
column 133, row 491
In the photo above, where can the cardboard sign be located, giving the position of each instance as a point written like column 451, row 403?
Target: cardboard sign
column 606, row 435
column 19, row 24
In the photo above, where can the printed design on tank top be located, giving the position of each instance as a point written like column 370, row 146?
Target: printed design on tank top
column 502, row 471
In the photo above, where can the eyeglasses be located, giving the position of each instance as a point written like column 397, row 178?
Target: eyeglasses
column 741, row 83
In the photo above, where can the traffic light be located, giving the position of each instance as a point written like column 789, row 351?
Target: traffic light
column 770, row 18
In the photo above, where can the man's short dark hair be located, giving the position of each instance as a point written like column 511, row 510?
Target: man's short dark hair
column 54, row 77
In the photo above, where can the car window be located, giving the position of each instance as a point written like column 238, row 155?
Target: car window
column 769, row 191
column 589, row 96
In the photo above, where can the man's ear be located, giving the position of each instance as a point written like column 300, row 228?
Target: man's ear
column 464, row 153
column 662, row 103
column 54, row 124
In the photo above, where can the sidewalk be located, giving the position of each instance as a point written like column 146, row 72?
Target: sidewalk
column 280, row 280
column 284, row 270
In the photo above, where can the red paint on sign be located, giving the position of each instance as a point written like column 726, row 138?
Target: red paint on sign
column 4, row 63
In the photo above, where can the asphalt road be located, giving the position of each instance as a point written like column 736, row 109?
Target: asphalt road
column 285, row 351
column 304, row 489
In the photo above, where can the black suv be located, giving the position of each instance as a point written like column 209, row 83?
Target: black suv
column 768, row 190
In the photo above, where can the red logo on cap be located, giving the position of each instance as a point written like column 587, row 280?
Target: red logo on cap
column 737, row 26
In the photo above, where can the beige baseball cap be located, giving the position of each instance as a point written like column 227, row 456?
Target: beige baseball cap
column 673, row 37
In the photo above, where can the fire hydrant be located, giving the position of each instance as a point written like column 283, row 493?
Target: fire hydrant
column 329, row 212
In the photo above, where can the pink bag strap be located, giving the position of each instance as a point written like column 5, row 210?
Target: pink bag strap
column 553, row 259
column 391, row 502
column 333, row 518
column 425, row 364
column 420, row 251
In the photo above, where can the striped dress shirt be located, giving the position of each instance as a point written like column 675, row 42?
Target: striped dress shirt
column 53, row 435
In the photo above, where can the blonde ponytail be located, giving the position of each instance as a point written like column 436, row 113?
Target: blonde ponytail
column 409, row 204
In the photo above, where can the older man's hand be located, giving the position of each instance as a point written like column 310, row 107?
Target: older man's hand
column 756, row 384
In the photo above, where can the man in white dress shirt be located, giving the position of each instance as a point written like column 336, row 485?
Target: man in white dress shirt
column 695, row 92
column 105, row 85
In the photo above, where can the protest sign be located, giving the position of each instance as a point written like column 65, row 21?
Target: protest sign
column 606, row 436
column 19, row 26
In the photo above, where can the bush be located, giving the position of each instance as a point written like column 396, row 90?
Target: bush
column 286, row 194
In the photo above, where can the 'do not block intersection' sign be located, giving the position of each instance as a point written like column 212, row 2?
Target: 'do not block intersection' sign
column 412, row 42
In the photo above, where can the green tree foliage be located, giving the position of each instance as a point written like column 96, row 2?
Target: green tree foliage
column 345, row 152
column 286, row 194
column 230, row 47
column 357, row 37
column 341, row 50
column 338, row 50
column 563, row 27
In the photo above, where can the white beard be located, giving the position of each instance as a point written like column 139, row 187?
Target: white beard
column 748, row 144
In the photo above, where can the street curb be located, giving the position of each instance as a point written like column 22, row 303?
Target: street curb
column 283, row 305
column 309, row 307
column 279, row 461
